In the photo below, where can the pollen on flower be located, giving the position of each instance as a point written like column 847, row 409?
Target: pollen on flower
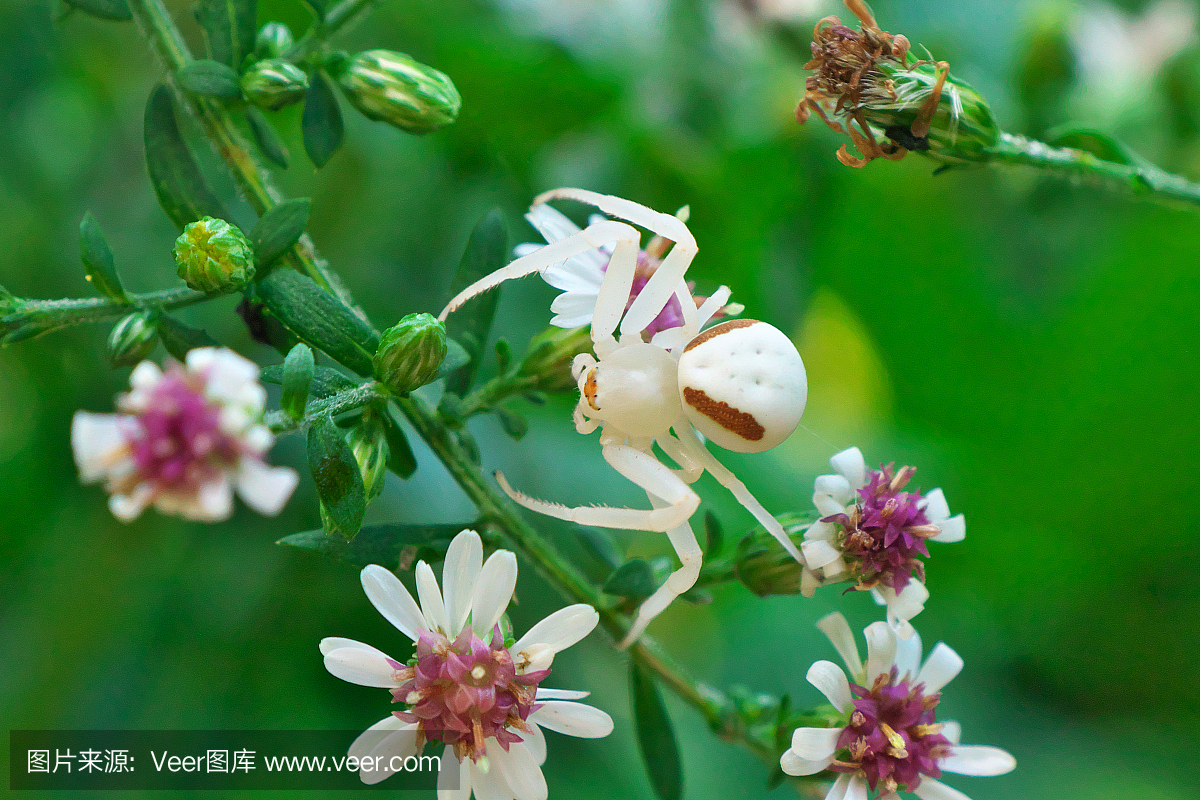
column 466, row 691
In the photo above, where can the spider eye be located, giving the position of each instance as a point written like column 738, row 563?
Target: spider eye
column 743, row 385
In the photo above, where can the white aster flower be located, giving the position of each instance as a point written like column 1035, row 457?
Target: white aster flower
column 891, row 740
column 185, row 440
column 873, row 532
column 465, row 686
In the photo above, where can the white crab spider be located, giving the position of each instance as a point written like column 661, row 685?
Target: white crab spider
column 740, row 383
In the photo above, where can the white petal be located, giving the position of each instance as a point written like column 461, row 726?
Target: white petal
column 839, row 788
column 560, row 694
column 929, row 789
column 400, row 744
column 331, row 643
column 573, row 719
column 489, row 785
column 856, row 788
column 827, row 506
column 464, row 559
column 369, row 739
column 567, row 321
column 809, row 581
column 940, row 668
column 263, row 488
column 214, row 501
column 574, row 275
column 814, row 744
column 493, row 591
column 392, row 600
column 99, row 444
column 432, row 606
column 881, row 650
column 526, row 248
column 561, row 629
column 950, row 530
column 835, row 486
column 976, row 759
column 936, row 507
column 536, row 741
column 363, row 667
column 818, row 553
column 908, row 655
column 128, row 507
column 821, row 531
column 904, row 606
column 831, row 681
column 145, row 375
column 793, row 764
column 952, row 730
column 451, row 767
column 835, row 627
column 574, row 304
column 520, row 770
column 551, row 223
column 852, row 465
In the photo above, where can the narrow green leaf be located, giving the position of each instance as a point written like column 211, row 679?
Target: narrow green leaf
column 633, row 580
column 278, row 229
column 326, row 382
column 714, row 537
column 487, row 251
column 456, row 356
column 319, row 319
column 503, row 355
column 179, row 338
column 317, row 7
column 298, row 369
column 321, row 121
column 512, row 422
column 336, row 475
column 229, row 28
column 400, row 455
column 98, row 259
column 380, row 544
column 181, row 189
column 599, row 544
column 210, row 78
column 656, row 737
column 270, row 144
column 115, row 10
column 1100, row 144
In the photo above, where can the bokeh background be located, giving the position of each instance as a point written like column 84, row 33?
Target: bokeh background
column 1030, row 346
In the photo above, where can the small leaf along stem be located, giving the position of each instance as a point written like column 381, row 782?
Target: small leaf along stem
column 348, row 400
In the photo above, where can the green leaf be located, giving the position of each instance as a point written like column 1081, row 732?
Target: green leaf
column 1100, row 144
column 269, row 142
column 278, row 229
column 317, row 7
column 380, row 544
column 487, row 251
column 179, row 338
column 210, row 78
column 336, row 475
column 400, row 455
column 503, row 355
column 656, row 737
column 298, row 369
column 456, row 356
column 98, row 259
column 633, row 580
column 714, row 538
column 321, row 121
column 326, row 382
column 512, row 422
column 116, row 10
column 181, row 189
column 598, row 543
column 319, row 319
column 229, row 28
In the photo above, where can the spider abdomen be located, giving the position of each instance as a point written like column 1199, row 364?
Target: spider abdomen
column 742, row 384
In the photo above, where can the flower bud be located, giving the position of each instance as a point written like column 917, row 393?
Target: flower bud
column 410, row 353
column 393, row 88
column 132, row 339
column 274, row 83
column 370, row 449
column 763, row 566
column 213, row 255
column 550, row 355
column 273, row 40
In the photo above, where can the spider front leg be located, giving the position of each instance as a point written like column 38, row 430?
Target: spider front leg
column 683, row 539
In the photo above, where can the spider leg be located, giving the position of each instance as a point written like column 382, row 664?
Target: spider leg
column 715, row 302
column 690, row 469
column 644, row 470
column 596, row 235
column 692, row 444
column 691, row 557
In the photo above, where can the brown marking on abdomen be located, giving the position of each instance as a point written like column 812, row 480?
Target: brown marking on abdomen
column 717, row 330
column 725, row 415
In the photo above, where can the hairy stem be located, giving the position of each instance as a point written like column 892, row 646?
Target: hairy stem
column 340, row 403
column 64, row 313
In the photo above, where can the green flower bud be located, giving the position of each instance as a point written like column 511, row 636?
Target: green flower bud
column 410, row 353
column 370, row 450
column 273, row 40
column 393, row 88
column 213, row 255
column 132, row 339
column 274, row 83
column 765, row 567
column 550, row 355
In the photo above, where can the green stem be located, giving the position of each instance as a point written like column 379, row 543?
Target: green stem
column 337, row 18
column 252, row 178
column 1145, row 180
column 65, row 313
column 496, row 390
column 340, row 403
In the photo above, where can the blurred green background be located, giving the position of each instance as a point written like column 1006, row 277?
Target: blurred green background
column 1030, row 346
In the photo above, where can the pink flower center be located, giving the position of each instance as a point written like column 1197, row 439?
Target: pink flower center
column 177, row 442
column 464, row 692
column 884, row 536
column 893, row 736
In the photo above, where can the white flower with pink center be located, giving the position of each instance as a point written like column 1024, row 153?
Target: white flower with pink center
column 466, row 687
column 891, row 741
column 187, row 437
column 872, row 531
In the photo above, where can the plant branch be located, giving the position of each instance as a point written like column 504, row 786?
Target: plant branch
column 50, row 315
column 337, row 18
column 340, row 403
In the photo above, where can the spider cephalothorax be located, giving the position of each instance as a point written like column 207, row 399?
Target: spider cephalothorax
column 740, row 383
